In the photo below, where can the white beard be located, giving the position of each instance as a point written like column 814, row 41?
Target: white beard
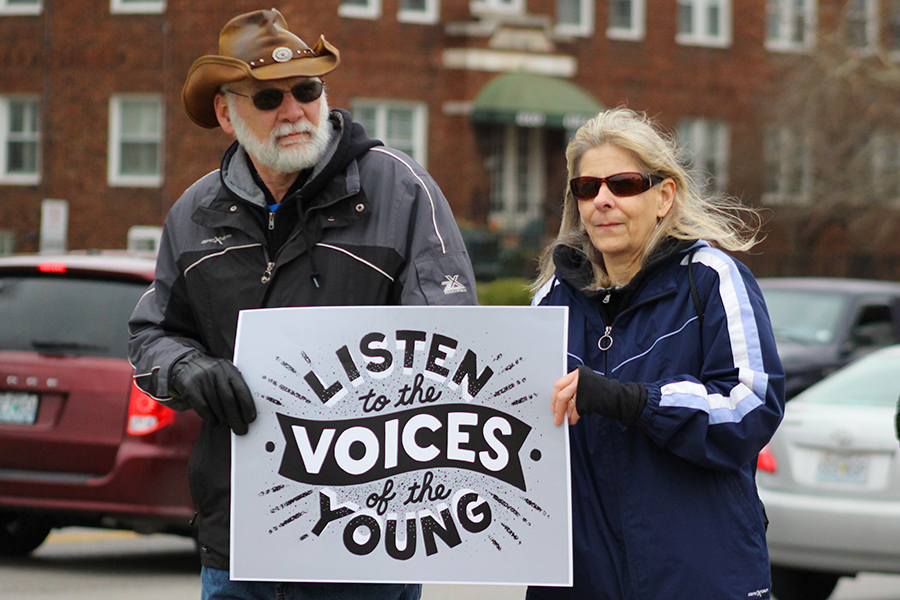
column 285, row 159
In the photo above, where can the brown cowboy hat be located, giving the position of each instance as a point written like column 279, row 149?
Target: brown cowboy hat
column 254, row 45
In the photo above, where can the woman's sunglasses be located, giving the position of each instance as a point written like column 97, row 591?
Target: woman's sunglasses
column 271, row 98
column 620, row 184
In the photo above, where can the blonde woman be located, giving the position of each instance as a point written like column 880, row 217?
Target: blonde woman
column 674, row 384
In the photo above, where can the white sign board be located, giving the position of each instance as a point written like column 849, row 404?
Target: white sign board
column 402, row 444
column 54, row 225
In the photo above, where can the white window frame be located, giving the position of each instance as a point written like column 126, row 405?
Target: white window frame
column 585, row 25
column 638, row 28
column 700, row 24
column 140, row 7
column 872, row 26
column 7, row 178
column 429, row 16
column 114, row 176
column 419, row 112
column 497, row 7
column 786, row 13
column 794, row 154
column 32, row 8
column 505, row 178
column 709, row 142
column 371, row 10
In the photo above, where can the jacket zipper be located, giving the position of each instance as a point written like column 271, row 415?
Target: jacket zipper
column 267, row 274
column 270, row 264
column 606, row 341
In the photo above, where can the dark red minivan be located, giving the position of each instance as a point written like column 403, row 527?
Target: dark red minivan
column 79, row 444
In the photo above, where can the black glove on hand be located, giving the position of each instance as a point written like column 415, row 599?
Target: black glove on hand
column 608, row 398
column 215, row 389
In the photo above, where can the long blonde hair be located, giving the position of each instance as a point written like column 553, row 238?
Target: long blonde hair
column 692, row 216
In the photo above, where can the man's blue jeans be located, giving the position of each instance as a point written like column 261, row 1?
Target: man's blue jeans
column 217, row 586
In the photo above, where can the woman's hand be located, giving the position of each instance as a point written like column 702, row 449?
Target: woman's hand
column 563, row 399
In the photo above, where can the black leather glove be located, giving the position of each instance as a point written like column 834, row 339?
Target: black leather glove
column 215, row 389
column 608, row 398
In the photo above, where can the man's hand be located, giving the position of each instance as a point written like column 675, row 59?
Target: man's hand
column 215, row 389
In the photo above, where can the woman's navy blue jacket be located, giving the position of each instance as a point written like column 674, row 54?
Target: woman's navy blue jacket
column 668, row 509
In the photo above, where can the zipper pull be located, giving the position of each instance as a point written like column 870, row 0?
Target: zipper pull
column 607, row 297
column 271, row 221
column 605, row 342
column 267, row 276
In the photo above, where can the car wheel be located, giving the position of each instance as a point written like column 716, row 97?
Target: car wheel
column 20, row 534
column 797, row 584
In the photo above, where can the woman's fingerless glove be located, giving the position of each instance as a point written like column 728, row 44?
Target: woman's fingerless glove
column 599, row 395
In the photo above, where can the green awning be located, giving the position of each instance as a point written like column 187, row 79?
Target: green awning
column 530, row 100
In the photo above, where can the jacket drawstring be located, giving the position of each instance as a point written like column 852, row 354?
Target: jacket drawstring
column 314, row 276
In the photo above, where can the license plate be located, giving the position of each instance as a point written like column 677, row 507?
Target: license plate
column 18, row 407
column 843, row 468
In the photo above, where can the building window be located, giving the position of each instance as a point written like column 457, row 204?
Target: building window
column 418, row 11
column 790, row 24
column 479, row 7
column 360, row 9
column 399, row 125
column 135, row 140
column 707, row 141
column 862, row 24
column 893, row 25
column 788, row 166
column 515, row 164
column 704, row 22
column 626, row 20
column 137, row 6
column 575, row 17
column 20, row 140
column 20, row 7
column 886, row 165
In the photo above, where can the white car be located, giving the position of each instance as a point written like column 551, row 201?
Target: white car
column 830, row 480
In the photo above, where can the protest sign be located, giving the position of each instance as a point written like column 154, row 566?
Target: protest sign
column 402, row 444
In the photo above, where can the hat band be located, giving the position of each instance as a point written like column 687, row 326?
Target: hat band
column 282, row 54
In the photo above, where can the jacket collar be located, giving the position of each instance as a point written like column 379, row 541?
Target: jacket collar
column 573, row 266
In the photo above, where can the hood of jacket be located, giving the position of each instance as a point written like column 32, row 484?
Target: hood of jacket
column 574, row 268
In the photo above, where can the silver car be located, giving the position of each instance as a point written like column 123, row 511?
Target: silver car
column 830, row 480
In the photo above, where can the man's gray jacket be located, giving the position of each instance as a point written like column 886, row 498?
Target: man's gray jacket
column 372, row 228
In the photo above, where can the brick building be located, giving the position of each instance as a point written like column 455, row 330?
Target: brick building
column 483, row 92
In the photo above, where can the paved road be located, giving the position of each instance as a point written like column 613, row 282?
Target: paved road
column 84, row 564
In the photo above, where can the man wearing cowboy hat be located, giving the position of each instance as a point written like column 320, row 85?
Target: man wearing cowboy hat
column 306, row 210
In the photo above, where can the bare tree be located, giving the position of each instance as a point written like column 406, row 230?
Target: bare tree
column 834, row 114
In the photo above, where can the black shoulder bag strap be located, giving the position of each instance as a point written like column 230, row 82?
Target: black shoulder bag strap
column 694, row 295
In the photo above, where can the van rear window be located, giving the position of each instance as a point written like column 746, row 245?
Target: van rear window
column 67, row 315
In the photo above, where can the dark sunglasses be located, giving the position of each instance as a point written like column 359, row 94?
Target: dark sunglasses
column 271, row 98
column 620, row 184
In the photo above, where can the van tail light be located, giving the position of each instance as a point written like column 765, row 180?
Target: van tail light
column 51, row 267
column 146, row 415
column 766, row 461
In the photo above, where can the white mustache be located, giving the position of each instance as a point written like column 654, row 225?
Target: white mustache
column 291, row 128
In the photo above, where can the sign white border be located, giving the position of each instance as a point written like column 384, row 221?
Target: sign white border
column 381, row 426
